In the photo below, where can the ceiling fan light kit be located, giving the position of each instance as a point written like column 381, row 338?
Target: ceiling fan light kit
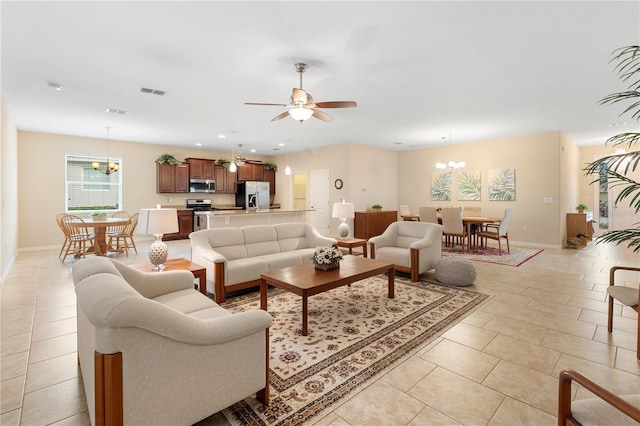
column 302, row 106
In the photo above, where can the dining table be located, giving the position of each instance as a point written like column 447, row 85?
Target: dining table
column 468, row 222
column 100, row 226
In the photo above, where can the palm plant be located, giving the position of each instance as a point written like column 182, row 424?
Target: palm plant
column 615, row 167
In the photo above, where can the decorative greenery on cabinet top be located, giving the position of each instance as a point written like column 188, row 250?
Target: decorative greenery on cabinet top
column 167, row 158
column 271, row 166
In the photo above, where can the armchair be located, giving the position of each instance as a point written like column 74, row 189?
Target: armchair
column 413, row 247
column 628, row 296
column 607, row 408
column 153, row 350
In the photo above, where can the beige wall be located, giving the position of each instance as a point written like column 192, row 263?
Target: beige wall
column 545, row 167
column 536, row 159
column 41, row 168
column 8, row 189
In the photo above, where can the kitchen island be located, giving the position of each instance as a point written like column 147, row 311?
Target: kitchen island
column 238, row 218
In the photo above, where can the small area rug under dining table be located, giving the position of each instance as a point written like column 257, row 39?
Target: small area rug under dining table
column 355, row 334
column 516, row 257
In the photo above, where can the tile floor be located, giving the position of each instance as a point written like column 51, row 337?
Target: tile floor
column 498, row 366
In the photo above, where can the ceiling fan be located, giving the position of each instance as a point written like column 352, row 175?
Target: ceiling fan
column 301, row 105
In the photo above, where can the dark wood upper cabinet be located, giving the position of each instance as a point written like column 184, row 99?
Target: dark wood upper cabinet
column 270, row 176
column 250, row 172
column 201, row 168
column 171, row 178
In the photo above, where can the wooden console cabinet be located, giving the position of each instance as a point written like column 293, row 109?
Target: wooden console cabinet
column 580, row 224
column 370, row 224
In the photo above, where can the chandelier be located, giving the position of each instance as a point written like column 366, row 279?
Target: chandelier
column 111, row 166
column 451, row 165
column 237, row 161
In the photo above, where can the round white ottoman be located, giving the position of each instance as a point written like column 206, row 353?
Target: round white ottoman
column 456, row 271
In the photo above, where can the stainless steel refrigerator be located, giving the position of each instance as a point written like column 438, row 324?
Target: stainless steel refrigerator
column 253, row 195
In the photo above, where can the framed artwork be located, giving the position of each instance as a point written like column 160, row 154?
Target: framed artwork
column 502, row 185
column 469, row 186
column 441, row 187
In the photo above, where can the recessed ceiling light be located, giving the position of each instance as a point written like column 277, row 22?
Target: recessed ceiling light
column 116, row 111
column 276, row 149
column 252, row 150
column 280, row 144
column 397, row 143
column 54, row 85
column 221, row 136
column 198, row 144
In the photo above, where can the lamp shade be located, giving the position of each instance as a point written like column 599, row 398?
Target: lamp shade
column 158, row 221
column 343, row 210
column 300, row 113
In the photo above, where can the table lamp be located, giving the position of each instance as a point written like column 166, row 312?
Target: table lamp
column 343, row 211
column 158, row 222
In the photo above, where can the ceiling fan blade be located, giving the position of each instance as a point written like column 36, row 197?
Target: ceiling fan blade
column 321, row 115
column 280, row 116
column 258, row 103
column 299, row 96
column 337, row 104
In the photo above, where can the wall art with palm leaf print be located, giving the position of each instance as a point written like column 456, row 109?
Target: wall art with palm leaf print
column 441, row 187
column 469, row 186
column 502, row 185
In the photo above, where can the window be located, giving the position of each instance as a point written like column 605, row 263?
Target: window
column 88, row 189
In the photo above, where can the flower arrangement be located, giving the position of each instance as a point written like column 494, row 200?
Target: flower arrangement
column 99, row 215
column 327, row 258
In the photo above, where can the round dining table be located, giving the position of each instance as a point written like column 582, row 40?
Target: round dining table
column 100, row 232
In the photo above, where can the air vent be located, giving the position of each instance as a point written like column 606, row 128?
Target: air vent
column 117, row 111
column 152, row 91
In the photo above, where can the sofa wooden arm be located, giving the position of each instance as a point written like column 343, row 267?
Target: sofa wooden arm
column 565, row 416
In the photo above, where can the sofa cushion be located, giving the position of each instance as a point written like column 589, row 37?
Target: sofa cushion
column 260, row 240
column 291, row 236
column 229, row 242
column 306, row 254
column 282, row 260
column 396, row 255
column 185, row 301
column 243, row 270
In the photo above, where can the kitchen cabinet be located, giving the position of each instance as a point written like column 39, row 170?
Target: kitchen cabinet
column 370, row 224
column 226, row 182
column 200, row 168
column 270, row 176
column 185, row 226
column 580, row 224
column 250, row 172
column 172, row 178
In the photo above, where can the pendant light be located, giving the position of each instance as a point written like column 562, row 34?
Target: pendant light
column 111, row 166
column 451, row 165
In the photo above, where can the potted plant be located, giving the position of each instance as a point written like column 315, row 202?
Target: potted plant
column 376, row 207
column 581, row 208
column 167, row 158
column 271, row 166
column 611, row 170
column 327, row 258
column 222, row 162
column 99, row 215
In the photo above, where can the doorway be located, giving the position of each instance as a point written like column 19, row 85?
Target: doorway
column 319, row 200
column 299, row 191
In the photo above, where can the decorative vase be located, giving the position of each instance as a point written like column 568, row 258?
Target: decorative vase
column 327, row 266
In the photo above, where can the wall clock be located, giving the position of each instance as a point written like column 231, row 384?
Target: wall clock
column 338, row 183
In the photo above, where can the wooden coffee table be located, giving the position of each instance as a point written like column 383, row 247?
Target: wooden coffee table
column 180, row 264
column 305, row 280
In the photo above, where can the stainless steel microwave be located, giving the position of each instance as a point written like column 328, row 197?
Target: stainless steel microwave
column 202, row 185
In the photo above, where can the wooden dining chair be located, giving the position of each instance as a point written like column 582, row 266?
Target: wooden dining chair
column 79, row 235
column 120, row 233
column 428, row 214
column 628, row 296
column 453, row 227
column 67, row 240
column 473, row 211
column 496, row 231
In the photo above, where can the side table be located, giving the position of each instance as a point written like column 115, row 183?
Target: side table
column 350, row 243
column 180, row 264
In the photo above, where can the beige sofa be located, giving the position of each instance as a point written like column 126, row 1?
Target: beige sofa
column 235, row 257
column 413, row 247
column 154, row 351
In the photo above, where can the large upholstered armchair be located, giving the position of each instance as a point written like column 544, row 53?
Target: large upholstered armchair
column 154, row 351
column 414, row 247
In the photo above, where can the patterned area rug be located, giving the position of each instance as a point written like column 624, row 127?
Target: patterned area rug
column 355, row 334
column 491, row 255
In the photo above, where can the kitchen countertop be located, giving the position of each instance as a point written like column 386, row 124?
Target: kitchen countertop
column 253, row 212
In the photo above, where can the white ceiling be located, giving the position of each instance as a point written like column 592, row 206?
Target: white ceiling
column 418, row 70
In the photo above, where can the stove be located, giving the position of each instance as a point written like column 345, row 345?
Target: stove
column 201, row 208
